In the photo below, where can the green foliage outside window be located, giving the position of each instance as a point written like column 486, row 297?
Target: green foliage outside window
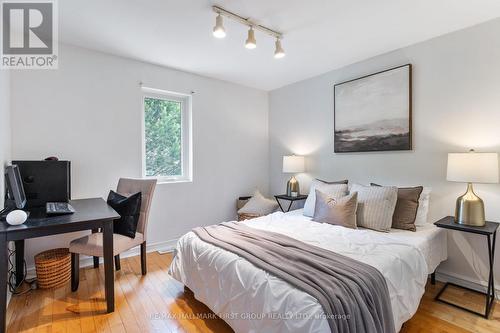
column 163, row 137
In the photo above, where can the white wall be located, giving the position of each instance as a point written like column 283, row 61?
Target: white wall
column 5, row 132
column 456, row 106
column 4, row 127
column 89, row 111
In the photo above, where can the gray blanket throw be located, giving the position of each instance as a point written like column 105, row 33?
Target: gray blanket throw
column 343, row 286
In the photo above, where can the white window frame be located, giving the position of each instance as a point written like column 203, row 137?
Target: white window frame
column 186, row 133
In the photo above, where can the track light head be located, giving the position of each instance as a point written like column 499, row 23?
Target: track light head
column 278, row 51
column 251, row 42
column 219, row 31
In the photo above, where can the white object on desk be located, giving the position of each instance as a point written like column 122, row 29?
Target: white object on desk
column 16, row 217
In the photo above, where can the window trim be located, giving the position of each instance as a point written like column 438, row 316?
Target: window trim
column 186, row 133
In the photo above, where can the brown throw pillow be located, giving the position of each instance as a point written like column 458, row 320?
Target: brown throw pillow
column 336, row 211
column 405, row 212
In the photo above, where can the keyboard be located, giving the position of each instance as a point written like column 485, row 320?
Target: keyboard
column 59, row 208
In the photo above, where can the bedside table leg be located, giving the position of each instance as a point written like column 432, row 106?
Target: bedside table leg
column 279, row 204
column 490, row 297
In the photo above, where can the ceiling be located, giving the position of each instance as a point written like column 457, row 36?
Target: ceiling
column 319, row 35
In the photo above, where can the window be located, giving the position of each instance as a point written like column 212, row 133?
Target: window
column 166, row 135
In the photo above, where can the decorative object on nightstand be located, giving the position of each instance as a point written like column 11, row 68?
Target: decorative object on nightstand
column 289, row 198
column 255, row 206
column 489, row 230
column 471, row 168
column 293, row 164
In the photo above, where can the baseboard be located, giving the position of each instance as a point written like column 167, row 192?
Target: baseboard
column 86, row 261
column 465, row 281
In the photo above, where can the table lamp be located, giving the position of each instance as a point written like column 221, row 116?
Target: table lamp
column 471, row 168
column 293, row 164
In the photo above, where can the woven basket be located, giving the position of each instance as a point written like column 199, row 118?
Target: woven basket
column 53, row 268
column 243, row 217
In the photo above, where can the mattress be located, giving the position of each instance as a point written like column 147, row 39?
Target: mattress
column 251, row 300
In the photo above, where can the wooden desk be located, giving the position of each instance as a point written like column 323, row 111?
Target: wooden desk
column 89, row 214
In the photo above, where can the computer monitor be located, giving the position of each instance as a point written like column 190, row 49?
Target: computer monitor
column 15, row 189
column 45, row 181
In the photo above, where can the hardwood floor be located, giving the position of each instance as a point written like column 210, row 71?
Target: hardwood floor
column 158, row 303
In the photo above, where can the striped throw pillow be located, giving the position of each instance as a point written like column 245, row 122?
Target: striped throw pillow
column 376, row 206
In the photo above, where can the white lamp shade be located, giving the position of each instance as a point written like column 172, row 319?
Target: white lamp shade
column 472, row 167
column 293, row 164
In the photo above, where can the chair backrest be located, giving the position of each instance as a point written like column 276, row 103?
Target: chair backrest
column 129, row 186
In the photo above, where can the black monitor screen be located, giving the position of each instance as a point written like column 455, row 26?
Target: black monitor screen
column 15, row 187
column 45, row 181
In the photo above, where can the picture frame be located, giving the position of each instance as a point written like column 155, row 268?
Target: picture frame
column 373, row 113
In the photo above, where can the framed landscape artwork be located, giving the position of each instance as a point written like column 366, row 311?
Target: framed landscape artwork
column 373, row 113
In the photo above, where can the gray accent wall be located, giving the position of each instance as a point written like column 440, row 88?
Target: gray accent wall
column 456, row 106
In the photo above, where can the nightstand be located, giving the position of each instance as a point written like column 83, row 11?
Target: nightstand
column 288, row 198
column 488, row 230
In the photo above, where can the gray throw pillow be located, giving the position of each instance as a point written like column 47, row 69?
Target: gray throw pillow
column 375, row 206
column 336, row 211
column 335, row 190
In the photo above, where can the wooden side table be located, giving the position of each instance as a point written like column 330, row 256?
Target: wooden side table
column 288, row 198
column 488, row 230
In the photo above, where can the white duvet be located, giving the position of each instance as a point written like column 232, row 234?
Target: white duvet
column 251, row 300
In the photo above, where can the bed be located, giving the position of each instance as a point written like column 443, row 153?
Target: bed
column 251, row 300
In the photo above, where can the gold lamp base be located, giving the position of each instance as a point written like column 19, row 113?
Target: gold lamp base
column 470, row 209
column 292, row 187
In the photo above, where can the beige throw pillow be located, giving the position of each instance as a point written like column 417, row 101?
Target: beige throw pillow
column 375, row 206
column 259, row 205
column 335, row 190
column 336, row 211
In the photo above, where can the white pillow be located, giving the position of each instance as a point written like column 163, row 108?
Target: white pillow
column 376, row 206
column 259, row 205
column 423, row 207
column 335, row 191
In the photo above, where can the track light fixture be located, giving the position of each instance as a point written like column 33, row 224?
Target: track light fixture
column 278, row 51
column 219, row 31
column 251, row 42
